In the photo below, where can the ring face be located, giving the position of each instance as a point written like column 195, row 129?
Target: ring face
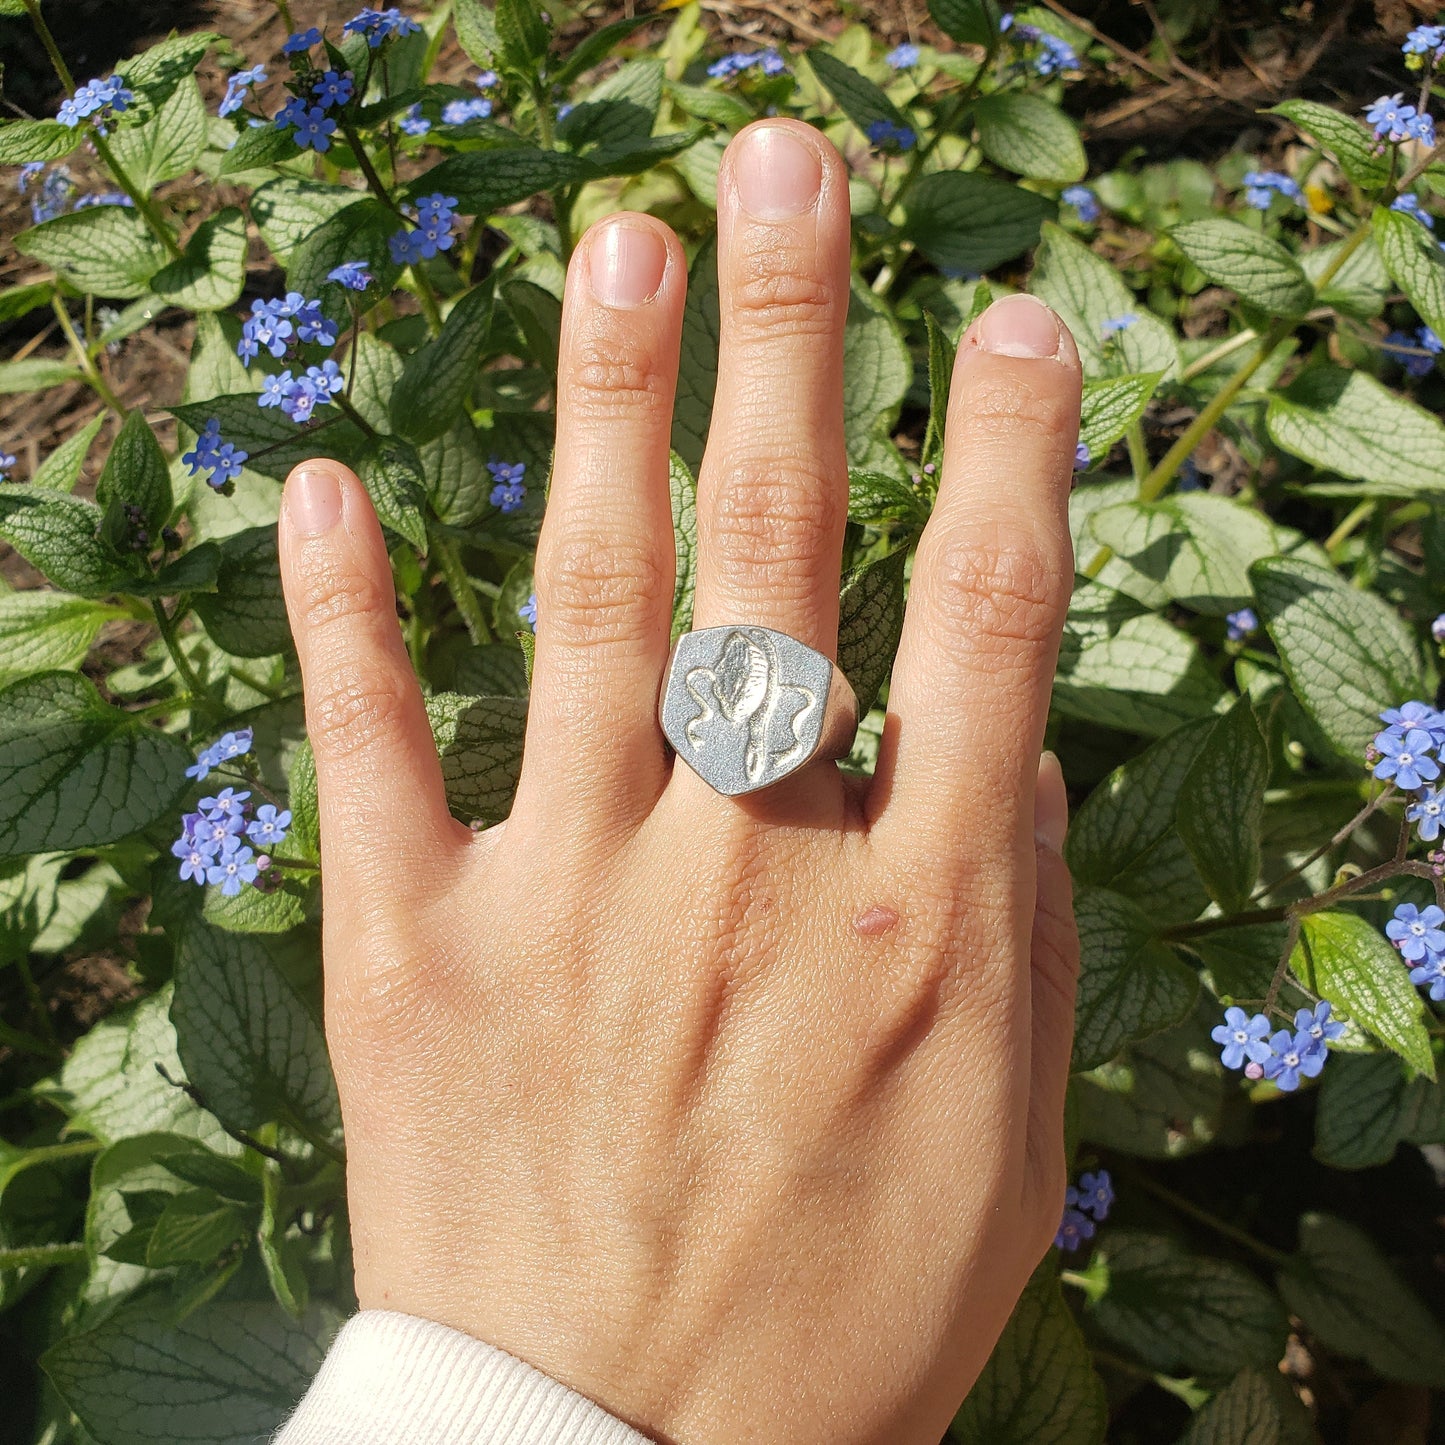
column 745, row 706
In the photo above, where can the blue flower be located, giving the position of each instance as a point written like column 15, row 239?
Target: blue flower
column 229, row 745
column 1391, row 117
column 1432, row 972
column 312, row 324
column 1242, row 1037
column 1084, row 202
column 1415, row 714
column 1082, row 457
column 1054, row 55
column 509, row 493
column 233, row 869
column 1112, row 325
column 351, row 274
column 413, row 122
column 299, row 399
column 1410, row 351
column 459, row 112
column 194, row 860
column 436, row 209
column 95, row 98
column 1417, row 933
column 1421, row 127
column 1293, row 1056
column 768, row 61
column 528, row 611
column 315, row 130
column 7, row 461
column 28, row 172
column 902, row 57
column 303, row 40
column 103, row 198
column 377, row 25
column 1074, row 1229
column 223, row 460
column 1241, row 624
column 54, row 192
column 1095, row 1194
column 1260, row 188
column 326, row 379
column 485, row 79
column 268, row 827
column 888, row 136
column 1427, row 810
column 1410, row 205
column 268, row 327
column 228, row 803
column 274, row 389
column 218, row 833
column 1318, row 1024
column 292, row 113
column 333, row 89
column 1426, row 40
column 405, row 250
column 1405, row 758
column 237, row 86
column 1437, row 628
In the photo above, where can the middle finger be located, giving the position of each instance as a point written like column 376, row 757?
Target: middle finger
column 773, row 488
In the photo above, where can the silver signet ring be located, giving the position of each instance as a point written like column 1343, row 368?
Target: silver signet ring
column 746, row 706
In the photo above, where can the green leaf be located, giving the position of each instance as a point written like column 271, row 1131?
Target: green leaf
column 1086, row 291
column 102, row 251
column 697, row 370
column 60, row 471
column 1368, row 1105
column 1412, row 257
column 717, row 106
column 260, row 430
column 683, row 490
column 963, row 221
column 62, row 536
column 1184, row 1313
column 360, row 230
column 1131, row 985
column 211, row 273
column 157, row 73
column 1344, row 1290
column 1245, row 1412
column 257, row 149
column 1124, row 838
column 36, row 373
column 477, row 32
column 877, row 371
column 110, row 1086
column 76, row 772
column 1111, row 405
column 486, row 181
column 1039, row 1386
column 631, row 158
column 1360, row 287
column 18, row 301
column 1347, row 422
column 619, row 113
column 970, row 22
column 480, row 743
column 870, row 622
column 941, row 356
column 246, row 615
column 1190, row 547
column 1346, row 652
column 875, row 498
column 391, row 472
column 593, row 47
column 22, row 141
column 41, row 631
column 288, row 210
column 538, row 315
column 247, row 1038
column 454, row 464
column 436, row 379
column 1342, row 958
column 195, row 1227
column 1353, row 145
column 522, row 32
column 170, row 144
column 1221, row 807
column 1254, row 266
column 860, row 100
column 1030, row 136
column 136, row 472
column 226, row 1374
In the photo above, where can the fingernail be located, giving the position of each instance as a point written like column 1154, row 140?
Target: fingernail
column 1051, row 805
column 627, row 265
column 778, row 175
column 313, row 499
column 1020, row 325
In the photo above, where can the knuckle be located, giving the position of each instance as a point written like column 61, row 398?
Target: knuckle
column 778, row 294
column 612, row 371
column 774, row 512
column 331, row 591
column 999, row 406
column 355, row 708
column 998, row 586
column 598, row 592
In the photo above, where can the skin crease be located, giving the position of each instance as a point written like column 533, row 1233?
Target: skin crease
column 741, row 1117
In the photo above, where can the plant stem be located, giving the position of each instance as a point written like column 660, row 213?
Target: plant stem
column 32, row 8
column 92, row 372
column 1361, row 512
column 284, row 11
column 314, row 1138
column 42, row 1256
column 37, row 1003
column 149, row 214
column 460, row 587
column 198, row 690
column 1339, row 837
column 1222, row 1227
column 1211, row 358
column 1138, row 451
column 428, row 299
column 353, row 415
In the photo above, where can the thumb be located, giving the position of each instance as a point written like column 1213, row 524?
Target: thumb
column 378, row 777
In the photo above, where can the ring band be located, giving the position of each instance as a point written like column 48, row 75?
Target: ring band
column 746, row 706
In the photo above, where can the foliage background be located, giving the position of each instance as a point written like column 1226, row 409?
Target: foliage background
column 173, row 1245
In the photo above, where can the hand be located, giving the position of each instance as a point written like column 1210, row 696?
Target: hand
column 743, row 1117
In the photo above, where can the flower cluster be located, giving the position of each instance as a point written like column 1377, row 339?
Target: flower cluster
column 226, row 747
column 1419, row 933
column 1283, row 1056
column 278, row 327
column 887, row 136
column 509, row 492
column 432, row 233
column 459, row 112
column 1050, row 55
column 1261, row 187
column 379, row 25
column 96, row 99
column 1415, row 353
column 902, row 57
column 213, row 847
column 1424, row 45
column 1403, row 752
column 299, row 396
column 1084, row 201
column 1395, row 121
column 413, row 122
column 237, row 85
column 1241, row 624
column 301, row 41
column 55, row 188
column 768, row 61
column 1086, row 1205
column 223, row 460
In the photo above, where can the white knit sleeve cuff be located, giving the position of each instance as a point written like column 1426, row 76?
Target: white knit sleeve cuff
column 394, row 1379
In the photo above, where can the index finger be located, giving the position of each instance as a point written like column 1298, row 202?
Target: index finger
column 990, row 590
